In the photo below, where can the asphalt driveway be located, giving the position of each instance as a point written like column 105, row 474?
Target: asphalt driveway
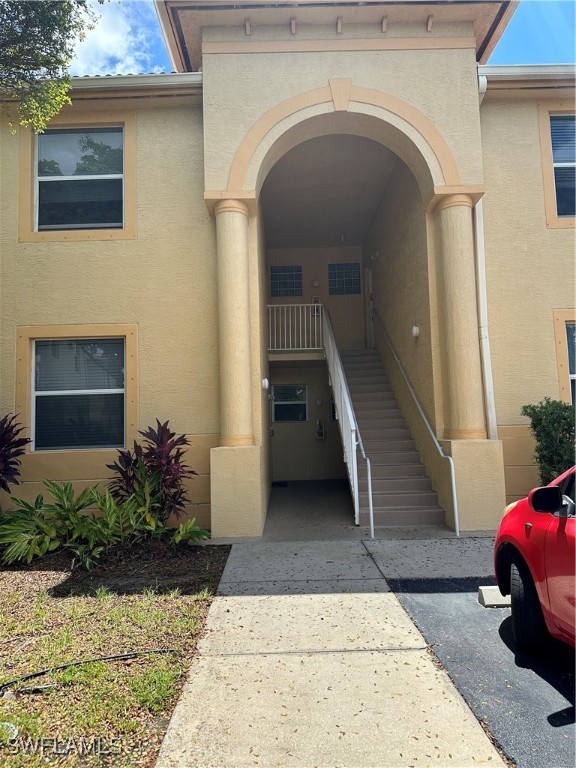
column 527, row 703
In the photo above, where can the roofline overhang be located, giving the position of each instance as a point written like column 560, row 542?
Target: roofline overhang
column 183, row 80
column 181, row 60
column 519, row 72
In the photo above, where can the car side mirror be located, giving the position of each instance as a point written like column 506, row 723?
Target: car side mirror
column 548, row 499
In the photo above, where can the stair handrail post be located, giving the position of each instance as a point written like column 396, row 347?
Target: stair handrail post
column 426, row 422
column 349, row 431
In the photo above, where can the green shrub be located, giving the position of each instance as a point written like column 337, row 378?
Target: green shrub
column 154, row 471
column 552, row 424
column 28, row 531
column 12, row 446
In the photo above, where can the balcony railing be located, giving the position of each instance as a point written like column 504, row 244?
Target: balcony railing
column 295, row 327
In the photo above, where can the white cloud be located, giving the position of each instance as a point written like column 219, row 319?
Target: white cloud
column 122, row 42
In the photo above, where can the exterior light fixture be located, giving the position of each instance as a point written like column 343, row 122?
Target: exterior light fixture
column 415, row 331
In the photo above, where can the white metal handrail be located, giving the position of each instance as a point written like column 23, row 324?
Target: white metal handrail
column 426, row 422
column 295, row 327
column 351, row 438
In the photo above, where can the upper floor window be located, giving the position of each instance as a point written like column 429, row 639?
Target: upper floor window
column 286, row 281
column 343, row 279
column 563, row 134
column 571, row 344
column 80, row 179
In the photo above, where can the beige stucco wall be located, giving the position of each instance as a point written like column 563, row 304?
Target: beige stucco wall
column 296, row 453
column 397, row 253
column 346, row 311
column 440, row 83
column 529, row 272
column 164, row 281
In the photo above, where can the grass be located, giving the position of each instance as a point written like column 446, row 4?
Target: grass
column 101, row 713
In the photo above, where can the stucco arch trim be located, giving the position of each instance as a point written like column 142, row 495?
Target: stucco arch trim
column 342, row 94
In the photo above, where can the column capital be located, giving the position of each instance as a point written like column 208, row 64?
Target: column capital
column 448, row 196
column 231, row 206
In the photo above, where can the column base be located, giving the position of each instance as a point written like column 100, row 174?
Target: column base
column 480, row 485
column 238, row 491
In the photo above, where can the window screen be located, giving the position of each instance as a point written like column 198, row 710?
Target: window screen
column 563, row 131
column 286, row 281
column 343, row 279
column 78, row 392
column 80, row 179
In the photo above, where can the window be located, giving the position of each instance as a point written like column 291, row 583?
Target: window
column 80, row 178
column 565, row 338
column 78, row 393
column 558, row 151
column 286, row 281
column 290, row 402
column 77, row 385
column 571, row 344
column 563, row 135
column 343, row 279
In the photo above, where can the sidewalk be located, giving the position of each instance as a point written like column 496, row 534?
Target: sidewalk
column 309, row 661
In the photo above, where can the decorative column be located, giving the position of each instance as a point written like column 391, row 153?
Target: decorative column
column 461, row 371
column 234, row 323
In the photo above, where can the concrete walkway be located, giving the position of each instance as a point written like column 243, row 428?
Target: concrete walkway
column 309, row 661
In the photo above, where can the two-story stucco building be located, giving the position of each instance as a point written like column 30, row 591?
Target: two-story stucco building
column 332, row 232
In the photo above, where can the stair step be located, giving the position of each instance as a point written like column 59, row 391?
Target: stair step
column 404, row 517
column 390, row 457
column 366, row 423
column 397, row 499
column 372, row 398
column 373, row 372
column 391, row 471
column 385, row 433
column 364, row 387
column 387, row 484
column 384, row 446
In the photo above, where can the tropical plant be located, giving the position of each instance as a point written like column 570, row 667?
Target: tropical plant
column 154, row 472
column 188, row 532
column 552, row 424
column 12, row 446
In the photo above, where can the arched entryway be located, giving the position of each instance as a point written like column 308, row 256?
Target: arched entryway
column 421, row 256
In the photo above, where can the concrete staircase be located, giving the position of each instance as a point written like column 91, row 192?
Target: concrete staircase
column 401, row 492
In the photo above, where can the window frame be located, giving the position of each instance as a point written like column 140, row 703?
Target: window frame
column 336, row 290
column 28, row 202
column 562, row 318
column 290, row 402
column 25, row 371
column 296, row 270
column 546, row 110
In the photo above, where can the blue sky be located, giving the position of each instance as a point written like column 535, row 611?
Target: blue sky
column 127, row 38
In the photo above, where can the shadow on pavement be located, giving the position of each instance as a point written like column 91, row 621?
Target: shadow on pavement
column 554, row 664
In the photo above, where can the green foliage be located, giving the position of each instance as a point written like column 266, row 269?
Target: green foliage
column 188, row 532
column 28, row 531
column 154, row 471
column 12, row 446
column 37, row 42
column 552, row 424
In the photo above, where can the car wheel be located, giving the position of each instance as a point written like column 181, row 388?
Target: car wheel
column 527, row 620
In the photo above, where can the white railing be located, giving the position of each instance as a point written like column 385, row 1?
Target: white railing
column 449, row 459
column 293, row 327
column 349, row 431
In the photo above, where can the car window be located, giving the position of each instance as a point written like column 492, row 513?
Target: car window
column 568, row 489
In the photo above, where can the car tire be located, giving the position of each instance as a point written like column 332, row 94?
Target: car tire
column 528, row 624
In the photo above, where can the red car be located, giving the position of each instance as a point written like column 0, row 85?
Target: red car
column 534, row 563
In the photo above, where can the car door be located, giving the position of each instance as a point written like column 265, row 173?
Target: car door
column 559, row 554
